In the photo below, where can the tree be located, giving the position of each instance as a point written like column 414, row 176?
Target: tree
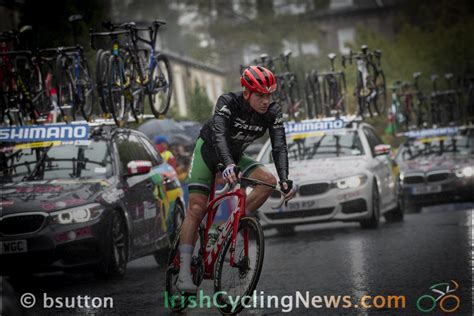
column 49, row 19
column 200, row 105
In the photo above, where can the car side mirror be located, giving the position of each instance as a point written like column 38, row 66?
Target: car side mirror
column 382, row 149
column 137, row 167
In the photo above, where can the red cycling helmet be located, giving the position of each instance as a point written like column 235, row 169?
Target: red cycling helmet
column 258, row 79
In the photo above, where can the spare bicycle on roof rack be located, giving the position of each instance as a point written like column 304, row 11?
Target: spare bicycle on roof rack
column 409, row 108
column 446, row 105
column 26, row 78
column 370, row 89
column 127, row 76
column 325, row 92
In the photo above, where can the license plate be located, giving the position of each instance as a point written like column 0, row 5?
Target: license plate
column 13, row 246
column 427, row 189
column 293, row 206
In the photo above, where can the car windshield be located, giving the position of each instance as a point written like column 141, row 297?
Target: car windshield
column 54, row 160
column 461, row 144
column 320, row 145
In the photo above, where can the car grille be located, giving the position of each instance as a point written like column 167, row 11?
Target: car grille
column 355, row 206
column 438, row 177
column 313, row 189
column 21, row 224
column 300, row 214
column 413, row 179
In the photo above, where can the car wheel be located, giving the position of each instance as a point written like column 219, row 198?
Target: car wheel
column 161, row 256
column 116, row 247
column 397, row 214
column 374, row 219
column 286, row 230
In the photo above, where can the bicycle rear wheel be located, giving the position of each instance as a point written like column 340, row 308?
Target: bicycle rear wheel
column 117, row 94
column 174, row 298
column 39, row 95
column 101, row 73
column 240, row 280
column 160, row 86
column 310, row 106
column 380, row 100
column 85, row 90
column 138, row 85
column 361, row 94
column 65, row 86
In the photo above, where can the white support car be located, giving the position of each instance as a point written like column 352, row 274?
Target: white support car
column 343, row 172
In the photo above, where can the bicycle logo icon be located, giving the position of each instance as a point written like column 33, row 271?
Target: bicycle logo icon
column 448, row 303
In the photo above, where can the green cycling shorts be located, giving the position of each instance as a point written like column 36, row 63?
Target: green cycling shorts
column 201, row 176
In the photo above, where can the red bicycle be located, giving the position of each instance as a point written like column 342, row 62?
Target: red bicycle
column 234, row 261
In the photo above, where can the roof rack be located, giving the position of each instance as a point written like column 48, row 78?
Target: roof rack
column 95, row 122
column 435, row 131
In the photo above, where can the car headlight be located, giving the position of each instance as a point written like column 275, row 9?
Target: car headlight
column 464, row 172
column 76, row 215
column 350, row 182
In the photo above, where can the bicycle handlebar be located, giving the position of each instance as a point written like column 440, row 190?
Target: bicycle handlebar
column 93, row 34
column 248, row 182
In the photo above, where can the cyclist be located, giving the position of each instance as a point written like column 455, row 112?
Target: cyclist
column 239, row 119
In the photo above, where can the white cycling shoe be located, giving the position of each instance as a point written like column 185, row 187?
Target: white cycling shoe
column 186, row 284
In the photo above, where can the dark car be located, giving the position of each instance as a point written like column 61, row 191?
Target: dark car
column 84, row 204
column 437, row 166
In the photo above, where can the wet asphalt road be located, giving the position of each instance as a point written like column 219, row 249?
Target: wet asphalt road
column 327, row 259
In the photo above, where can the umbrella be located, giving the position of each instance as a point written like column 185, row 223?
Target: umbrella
column 181, row 139
column 166, row 127
column 192, row 128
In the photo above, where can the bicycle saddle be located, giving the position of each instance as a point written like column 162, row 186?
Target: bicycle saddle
column 159, row 22
column 26, row 28
column 127, row 25
column 364, row 48
column 287, row 54
column 416, row 75
column 448, row 76
column 332, row 56
column 74, row 18
column 434, row 77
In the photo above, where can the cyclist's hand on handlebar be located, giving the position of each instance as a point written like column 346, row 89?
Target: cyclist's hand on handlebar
column 231, row 174
column 287, row 188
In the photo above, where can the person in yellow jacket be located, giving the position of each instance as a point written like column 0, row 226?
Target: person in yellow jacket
column 162, row 144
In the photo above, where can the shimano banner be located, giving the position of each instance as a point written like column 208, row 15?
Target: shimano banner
column 432, row 132
column 21, row 134
column 305, row 127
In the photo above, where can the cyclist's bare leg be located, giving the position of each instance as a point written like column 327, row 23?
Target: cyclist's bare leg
column 194, row 215
column 260, row 193
column 188, row 236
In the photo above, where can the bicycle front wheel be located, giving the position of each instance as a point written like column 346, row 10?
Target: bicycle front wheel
column 160, row 86
column 240, row 280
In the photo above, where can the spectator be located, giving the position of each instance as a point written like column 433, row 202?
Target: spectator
column 162, row 144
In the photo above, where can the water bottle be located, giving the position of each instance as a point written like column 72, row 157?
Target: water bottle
column 212, row 235
column 54, row 105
